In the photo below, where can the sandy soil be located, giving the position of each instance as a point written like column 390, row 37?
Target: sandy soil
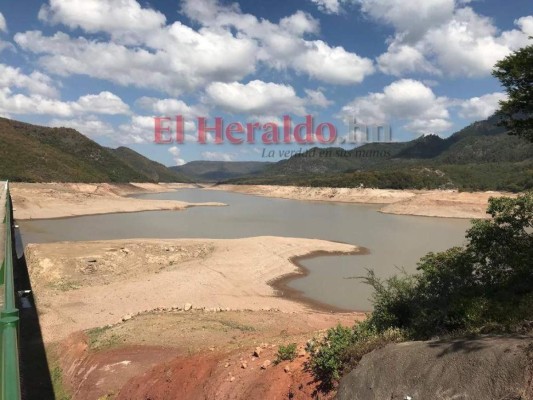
column 431, row 203
column 55, row 200
column 82, row 285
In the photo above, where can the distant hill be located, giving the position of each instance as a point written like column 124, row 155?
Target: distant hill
column 481, row 156
column 151, row 169
column 216, row 171
column 35, row 153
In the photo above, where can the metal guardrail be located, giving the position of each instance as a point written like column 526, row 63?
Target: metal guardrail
column 9, row 315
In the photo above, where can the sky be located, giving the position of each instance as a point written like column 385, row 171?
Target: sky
column 109, row 67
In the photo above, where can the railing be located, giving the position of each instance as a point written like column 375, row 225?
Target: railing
column 9, row 315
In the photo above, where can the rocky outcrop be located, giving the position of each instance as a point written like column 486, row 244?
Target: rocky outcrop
column 485, row 368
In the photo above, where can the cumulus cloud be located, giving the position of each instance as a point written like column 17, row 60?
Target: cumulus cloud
column 182, row 59
column 443, row 37
column 282, row 45
column 176, row 152
column 122, row 19
column 406, row 100
column 146, row 52
column 256, row 98
column 217, row 156
column 34, row 83
column 171, row 107
column 90, row 126
column 481, row 107
column 102, row 103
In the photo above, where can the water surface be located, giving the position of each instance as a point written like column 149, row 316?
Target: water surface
column 394, row 241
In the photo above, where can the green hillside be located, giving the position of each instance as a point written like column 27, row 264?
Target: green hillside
column 153, row 170
column 481, row 156
column 35, row 153
column 215, row 171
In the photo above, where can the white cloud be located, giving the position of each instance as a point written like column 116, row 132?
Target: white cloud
column 442, row 37
column 182, row 59
column 332, row 64
column 171, row 107
column 407, row 100
column 35, row 83
column 3, row 24
column 145, row 52
column 410, row 18
column 300, row 23
column 123, row 19
column 102, row 103
column 400, row 59
column 217, row 156
column 481, row 107
column 140, row 129
column 256, row 98
column 328, row 6
column 90, row 126
column 176, row 151
column 317, row 98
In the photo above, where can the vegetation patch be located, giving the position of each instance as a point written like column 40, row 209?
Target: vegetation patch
column 286, row 353
column 485, row 286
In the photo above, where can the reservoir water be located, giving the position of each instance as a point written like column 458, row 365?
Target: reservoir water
column 394, row 241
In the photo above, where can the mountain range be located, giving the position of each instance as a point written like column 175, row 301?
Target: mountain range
column 33, row 153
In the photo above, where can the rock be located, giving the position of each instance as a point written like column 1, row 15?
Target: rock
column 487, row 367
column 226, row 365
column 126, row 251
column 266, row 364
column 232, row 379
column 287, row 369
column 302, row 353
column 244, row 365
column 257, row 352
column 187, row 306
column 91, row 260
column 126, row 317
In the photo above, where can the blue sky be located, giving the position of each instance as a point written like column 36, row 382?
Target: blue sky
column 107, row 67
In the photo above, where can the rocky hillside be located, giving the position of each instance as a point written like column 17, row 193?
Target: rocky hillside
column 476, row 369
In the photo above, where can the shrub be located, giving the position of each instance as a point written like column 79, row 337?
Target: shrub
column 286, row 353
column 485, row 285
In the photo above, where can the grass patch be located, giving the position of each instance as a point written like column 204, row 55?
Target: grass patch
column 237, row 326
column 60, row 392
column 100, row 338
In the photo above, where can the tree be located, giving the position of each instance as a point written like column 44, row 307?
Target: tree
column 515, row 72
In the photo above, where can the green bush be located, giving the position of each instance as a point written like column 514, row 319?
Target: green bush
column 286, row 353
column 485, row 285
column 343, row 347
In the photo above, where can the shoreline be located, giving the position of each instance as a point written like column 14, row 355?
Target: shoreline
column 283, row 290
column 117, row 278
column 423, row 203
column 36, row 201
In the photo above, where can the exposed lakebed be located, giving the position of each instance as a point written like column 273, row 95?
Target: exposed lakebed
column 393, row 241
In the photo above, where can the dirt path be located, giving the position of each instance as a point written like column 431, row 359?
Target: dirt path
column 432, row 203
column 55, row 200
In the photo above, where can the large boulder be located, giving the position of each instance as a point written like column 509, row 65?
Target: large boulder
column 485, row 368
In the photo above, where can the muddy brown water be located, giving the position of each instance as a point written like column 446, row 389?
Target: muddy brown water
column 394, row 241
